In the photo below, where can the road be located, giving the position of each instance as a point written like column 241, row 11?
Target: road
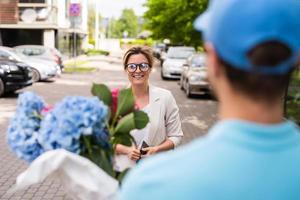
column 197, row 115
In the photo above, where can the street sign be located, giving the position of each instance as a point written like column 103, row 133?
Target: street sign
column 75, row 9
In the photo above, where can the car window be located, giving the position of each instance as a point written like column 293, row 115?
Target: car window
column 180, row 53
column 292, row 101
column 32, row 51
column 4, row 55
column 198, row 61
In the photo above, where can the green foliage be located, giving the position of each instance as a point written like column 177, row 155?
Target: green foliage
column 174, row 19
column 76, row 69
column 292, row 101
column 128, row 22
column 125, row 102
column 102, row 92
column 91, row 21
column 93, row 52
column 125, row 119
column 148, row 42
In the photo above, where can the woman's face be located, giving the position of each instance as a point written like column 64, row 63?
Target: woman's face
column 139, row 76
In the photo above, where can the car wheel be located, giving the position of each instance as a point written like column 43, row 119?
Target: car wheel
column 35, row 75
column 188, row 90
column 2, row 89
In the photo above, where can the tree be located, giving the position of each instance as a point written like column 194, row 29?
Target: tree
column 91, row 21
column 128, row 22
column 173, row 19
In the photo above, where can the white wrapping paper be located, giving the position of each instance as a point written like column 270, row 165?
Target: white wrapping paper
column 82, row 179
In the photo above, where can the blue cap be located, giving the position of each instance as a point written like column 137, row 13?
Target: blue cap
column 234, row 27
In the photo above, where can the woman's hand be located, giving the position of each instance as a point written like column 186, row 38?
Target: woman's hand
column 134, row 154
column 151, row 150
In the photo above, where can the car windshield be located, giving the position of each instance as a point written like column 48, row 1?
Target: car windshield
column 19, row 56
column 9, row 54
column 198, row 61
column 180, row 53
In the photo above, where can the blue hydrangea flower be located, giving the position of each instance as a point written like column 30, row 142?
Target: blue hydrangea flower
column 23, row 128
column 75, row 116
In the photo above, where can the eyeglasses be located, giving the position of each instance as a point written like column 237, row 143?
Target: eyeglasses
column 132, row 67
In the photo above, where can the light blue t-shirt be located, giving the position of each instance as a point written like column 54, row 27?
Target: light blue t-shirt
column 236, row 160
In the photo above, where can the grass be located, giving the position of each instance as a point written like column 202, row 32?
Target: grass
column 73, row 63
column 79, row 69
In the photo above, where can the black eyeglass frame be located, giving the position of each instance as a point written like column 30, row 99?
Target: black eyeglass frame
column 138, row 66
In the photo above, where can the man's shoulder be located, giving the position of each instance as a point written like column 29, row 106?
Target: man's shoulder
column 164, row 169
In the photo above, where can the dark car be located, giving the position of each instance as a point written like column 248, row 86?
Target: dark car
column 14, row 75
column 292, row 98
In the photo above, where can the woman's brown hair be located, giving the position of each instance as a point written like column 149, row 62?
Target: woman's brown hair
column 146, row 51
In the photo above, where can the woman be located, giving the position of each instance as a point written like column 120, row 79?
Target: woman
column 163, row 132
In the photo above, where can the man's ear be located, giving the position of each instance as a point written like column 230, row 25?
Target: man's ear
column 212, row 59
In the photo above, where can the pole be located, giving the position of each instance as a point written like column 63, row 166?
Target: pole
column 97, row 25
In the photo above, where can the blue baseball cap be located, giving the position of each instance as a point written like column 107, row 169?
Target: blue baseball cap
column 234, row 27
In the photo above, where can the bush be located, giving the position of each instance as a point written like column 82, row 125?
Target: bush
column 148, row 42
column 93, row 52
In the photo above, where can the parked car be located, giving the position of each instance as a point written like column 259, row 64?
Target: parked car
column 42, row 52
column 41, row 69
column 14, row 75
column 194, row 78
column 292, row 97
column 176, row 56
column 159, row 51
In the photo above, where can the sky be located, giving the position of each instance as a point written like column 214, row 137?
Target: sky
column 113, row 8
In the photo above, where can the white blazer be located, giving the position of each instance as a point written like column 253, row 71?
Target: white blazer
column 164, row 117
column 164, row 124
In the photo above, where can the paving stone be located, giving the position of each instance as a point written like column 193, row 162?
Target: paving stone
column 197, row 116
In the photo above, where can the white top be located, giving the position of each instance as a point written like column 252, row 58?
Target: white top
column 142, row 135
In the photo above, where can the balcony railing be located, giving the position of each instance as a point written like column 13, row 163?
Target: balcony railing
column 37, row 14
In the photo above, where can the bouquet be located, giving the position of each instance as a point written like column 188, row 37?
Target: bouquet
column 88, row 126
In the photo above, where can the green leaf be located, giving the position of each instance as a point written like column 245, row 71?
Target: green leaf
column 102, row 92
column 141, row 119
column 125, row 102
column 125, row 139
column 122, row 174
column 126, row 124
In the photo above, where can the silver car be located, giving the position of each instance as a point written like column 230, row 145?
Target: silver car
column 42, row 52
column 176, row 56
column 194, row 78
column 41, row 69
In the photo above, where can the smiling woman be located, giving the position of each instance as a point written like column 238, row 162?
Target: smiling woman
column 163, row 132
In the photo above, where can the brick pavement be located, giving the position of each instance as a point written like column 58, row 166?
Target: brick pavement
column 197, row 114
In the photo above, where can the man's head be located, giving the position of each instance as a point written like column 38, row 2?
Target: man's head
column 255, row 43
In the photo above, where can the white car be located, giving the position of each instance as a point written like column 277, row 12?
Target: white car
column 41, row 69
column 176, row 57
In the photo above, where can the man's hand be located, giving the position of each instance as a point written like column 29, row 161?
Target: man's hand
column 134, row 154
column 151, row 150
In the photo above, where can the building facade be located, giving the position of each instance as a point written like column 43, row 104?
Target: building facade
column 53, row 23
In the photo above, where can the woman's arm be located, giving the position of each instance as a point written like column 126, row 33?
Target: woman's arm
column 172, row 121
column 131, row 152
column 165, row 146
